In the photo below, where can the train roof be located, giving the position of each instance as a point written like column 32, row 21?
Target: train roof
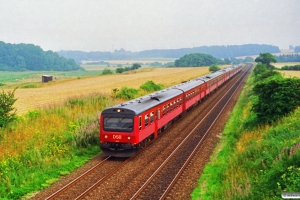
column 141, row 104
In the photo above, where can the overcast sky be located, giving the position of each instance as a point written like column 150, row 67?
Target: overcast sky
column 136, row 25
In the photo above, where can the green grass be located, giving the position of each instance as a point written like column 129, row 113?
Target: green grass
column 253, row 162
column 7, row 77
column 45, row 144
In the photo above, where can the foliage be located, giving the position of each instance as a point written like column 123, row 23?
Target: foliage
column 248, row 59
column 127, row 93
column 259, row 69
column 214, row 68
column 266, row 58
column 50, row 142
column 276, row 97
column 7, row 111
column 119, row 70
column 288, row 58
column 228, row 51
column 106, row 72
column 260, row 162
column 195, row 60
column 136, row 66
column 293, row 68
column 150, row 86
column 21, row 57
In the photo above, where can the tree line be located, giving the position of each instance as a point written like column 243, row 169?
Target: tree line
column 288, row 58
column 276, row 96
column 224, row 51
column 22, row 57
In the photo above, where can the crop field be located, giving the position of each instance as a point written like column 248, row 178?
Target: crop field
column 57, row 91
column 288, row 73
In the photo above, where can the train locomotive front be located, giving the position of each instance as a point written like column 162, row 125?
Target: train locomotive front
column 117, row 133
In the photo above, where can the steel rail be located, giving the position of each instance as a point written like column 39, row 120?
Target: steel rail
column 135, row 196
column 164, row 195
column 77, row 179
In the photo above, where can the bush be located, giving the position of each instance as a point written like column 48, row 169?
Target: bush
column 106, row 71
column 151, row 86
column 7, row 111
column 127, row 93
column 276, row 97
column 214, row 68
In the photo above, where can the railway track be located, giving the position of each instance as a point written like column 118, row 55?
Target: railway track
column 153, row 172
column 162, row 180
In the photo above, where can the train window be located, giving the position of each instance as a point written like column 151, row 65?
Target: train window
column 146, row 120
column 171, row 106
column 168, row 107
column 151, row 117
column 140, row 123
column 118, row 122
column 158, row 114
column 164, row 110
column 175, row 104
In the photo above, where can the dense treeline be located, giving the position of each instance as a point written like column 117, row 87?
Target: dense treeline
column 294, row 67
column 195, row 60
column 288, row 58
column 229, row 51
column 21, row 57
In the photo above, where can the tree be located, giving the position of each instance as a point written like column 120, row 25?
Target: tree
column 277, row 97
column 214, row 68
column 120, row 70
column 196, row 60
column 7, row 111
column 248, row 59
column 106, row 71
column 266, row 58
column 297, row 49
column 136, row 66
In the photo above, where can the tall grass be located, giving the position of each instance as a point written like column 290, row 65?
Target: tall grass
column 254, row 162
column 49, row 142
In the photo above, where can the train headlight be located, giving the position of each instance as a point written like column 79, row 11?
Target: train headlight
column 105, row 136
column 128, row 137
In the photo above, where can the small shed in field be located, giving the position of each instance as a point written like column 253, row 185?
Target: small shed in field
column 46, row 78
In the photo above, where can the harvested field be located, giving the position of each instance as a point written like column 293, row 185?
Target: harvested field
column 31, row 98
column 288, row 74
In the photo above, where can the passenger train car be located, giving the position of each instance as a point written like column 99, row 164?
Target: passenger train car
column 127, row 127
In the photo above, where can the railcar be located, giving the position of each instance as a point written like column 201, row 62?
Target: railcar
column 127, row 127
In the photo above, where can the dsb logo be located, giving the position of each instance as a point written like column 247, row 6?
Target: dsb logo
column 117, row 137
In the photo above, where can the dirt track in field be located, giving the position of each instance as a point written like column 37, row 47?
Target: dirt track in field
column 31, row 98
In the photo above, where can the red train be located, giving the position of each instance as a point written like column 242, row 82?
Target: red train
column 127, row 127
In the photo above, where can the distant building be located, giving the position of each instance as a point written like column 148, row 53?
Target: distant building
column 46, row 78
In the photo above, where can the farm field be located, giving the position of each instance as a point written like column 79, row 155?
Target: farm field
column 31, row 98
column 288, row 73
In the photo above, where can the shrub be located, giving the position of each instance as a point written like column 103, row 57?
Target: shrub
column 7, row 111
column 151, row 86
column 106, row 71
column 127, row 93
column 214, row 68
column 276, row 97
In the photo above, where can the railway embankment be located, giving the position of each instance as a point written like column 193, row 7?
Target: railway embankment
column 254, row 160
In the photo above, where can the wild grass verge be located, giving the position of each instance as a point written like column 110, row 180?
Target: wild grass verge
column 254, row 162
column 47, row 143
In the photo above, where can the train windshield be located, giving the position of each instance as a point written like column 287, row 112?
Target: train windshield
column 118, row 123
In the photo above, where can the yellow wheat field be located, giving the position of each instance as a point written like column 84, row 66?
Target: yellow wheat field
column 31, row 98
column 288, row 73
